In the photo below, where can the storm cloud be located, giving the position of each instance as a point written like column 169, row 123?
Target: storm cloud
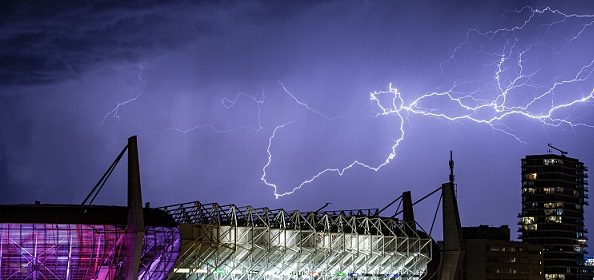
column 207, row 84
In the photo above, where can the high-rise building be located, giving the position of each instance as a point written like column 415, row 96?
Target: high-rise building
column 553, row 198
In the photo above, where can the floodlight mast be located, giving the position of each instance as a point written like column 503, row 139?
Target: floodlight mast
column 563, row 153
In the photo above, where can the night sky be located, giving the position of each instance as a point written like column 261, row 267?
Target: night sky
column 244, row 102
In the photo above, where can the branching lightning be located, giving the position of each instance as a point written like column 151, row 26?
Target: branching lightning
column 115, row 112
column 491, row 102
column 510, row 80
column 228, row 104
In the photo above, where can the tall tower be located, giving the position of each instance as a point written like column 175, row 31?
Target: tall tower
column 553, row 198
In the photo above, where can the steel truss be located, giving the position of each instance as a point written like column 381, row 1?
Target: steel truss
column 230, row 242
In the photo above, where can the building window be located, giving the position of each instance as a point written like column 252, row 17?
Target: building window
column 534, row 204
column 557, row 212
column 530, row 176
column 554, row 219
column 553, row 204
column 553, row 162
column 554, row 276
column 549, row 190
column 495, row 248
column 530, row 227
column 577, row 193
column 528, row 220
column 527, row 183
column 529, row 190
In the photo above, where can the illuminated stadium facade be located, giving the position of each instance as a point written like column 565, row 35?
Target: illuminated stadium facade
column 229, row 242
column 210, row 241
column 86, row 241
column 81, row 242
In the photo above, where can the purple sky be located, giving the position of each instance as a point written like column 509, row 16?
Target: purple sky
column 206, row 85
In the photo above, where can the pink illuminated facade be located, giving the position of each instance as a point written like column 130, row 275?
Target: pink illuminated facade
column 34, row 250
column 89, row 242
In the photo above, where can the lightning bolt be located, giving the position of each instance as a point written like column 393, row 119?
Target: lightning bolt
column 228, row 104
column 311, row 109
column 115, row 112
column 512, row 89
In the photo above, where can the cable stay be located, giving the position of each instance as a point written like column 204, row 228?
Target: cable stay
column 95, row 191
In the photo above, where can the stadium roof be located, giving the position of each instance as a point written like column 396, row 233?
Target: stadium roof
column 77, row 214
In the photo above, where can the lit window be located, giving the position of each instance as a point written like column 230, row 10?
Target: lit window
column 528, row 220
column 549, row 190
column 534, row 204
column 554, row 276
column 530, row 176
column 553, row 162
column 530, row 227
column 529, row 190
column 557, row 212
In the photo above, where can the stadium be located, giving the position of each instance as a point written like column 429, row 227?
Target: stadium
column 211, row 241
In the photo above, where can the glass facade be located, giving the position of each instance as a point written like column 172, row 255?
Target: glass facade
column 80, row 251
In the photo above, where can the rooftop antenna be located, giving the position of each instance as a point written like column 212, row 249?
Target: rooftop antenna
column 563, row 153
column 451, row 168
column 452, row 173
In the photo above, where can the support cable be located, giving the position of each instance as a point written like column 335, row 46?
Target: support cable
column 435, row 216
column 386, row 207
column 104, row 178
column 415, row 203
column 398, row 207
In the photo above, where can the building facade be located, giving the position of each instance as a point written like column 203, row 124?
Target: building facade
column 231, row 242
column 589, row 267
column 83, row 243
column 491, row 255
column 554, row 194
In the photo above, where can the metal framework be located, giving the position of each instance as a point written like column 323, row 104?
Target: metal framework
column 85, row 252
column 230, row 242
